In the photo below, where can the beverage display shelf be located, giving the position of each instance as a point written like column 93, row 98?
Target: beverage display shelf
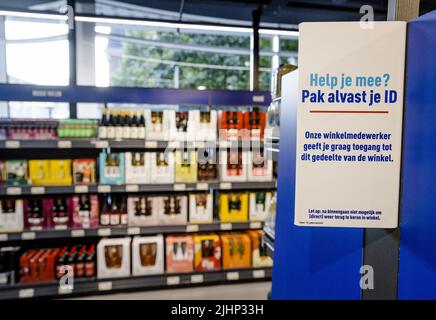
column 132, row 188
column 121, row 144
column 105, row 231
column 268, row 241
column 93, row 286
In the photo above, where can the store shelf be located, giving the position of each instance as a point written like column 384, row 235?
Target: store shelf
column 120, row 144
column 155, row 96
column 132, row 188
column 128, row 231
column 84, row 286
column 268, row 241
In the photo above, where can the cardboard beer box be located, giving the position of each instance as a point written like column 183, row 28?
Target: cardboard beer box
column 236, row 250
column 84, row 171
column 113, row 258
column 185, row 166
column 16, row 172
column 231, row 125
column 205, row 125
column 182, row 125
column 254, row 123
column 200, row 207
column 260, row 202
column 138, row 167
column 173, row 209
column 179, row 253
column 233, row 164
column 147, row 255
column 112, row 168
column 233, row 207
column 258, row 253
column 162, row 167
column 143, row 210
column 157, row 126
column 259, row 168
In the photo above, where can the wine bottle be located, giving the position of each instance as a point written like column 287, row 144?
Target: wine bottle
column 105, row 213
column 134, row 126
column 119, row 126
column 127, row 121
column 115, row 213
column 111, row 125
column 141, row 126
column 123, row 211
column 102, row 126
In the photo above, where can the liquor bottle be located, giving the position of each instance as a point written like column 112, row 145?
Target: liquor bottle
column 141, row 126
column 119, row 123
column 127, row 122
column 123, row 211
column 102, row 126
column 90, row 262
column 85, row 211
column 79, row 268
column 105, row 214
column 134, row 126
column 60, row 262
column 115, row 213
column 111, row 125
column 71, row 259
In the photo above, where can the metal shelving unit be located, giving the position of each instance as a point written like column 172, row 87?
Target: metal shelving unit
column 128, row 231
column 86, row 286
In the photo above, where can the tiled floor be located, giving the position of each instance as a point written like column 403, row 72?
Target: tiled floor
column 245, row 291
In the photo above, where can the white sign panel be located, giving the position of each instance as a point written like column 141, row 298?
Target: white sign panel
column 349, row 124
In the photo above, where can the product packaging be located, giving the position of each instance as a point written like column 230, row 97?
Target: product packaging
column 236, row 250
column 259, row 168
column 233, row 207
column 84, row 171
column 182, row 125
column 143, row 210
column 259, row 205
column 84, row 210
column 233, row 165
column 231, row 125
column 157, row 125
column 147, row 255
column 254, row 123
column 11, row 215
column 173, row 209
column 207, row 252
column 185, row 166
column 200, row 208
column 162, row 167
column 112, row 168
column 138, row 167
column 259, row 256
column 35, row 217
column 113, row 258
column 16, row 172
column 179, row 253
column 206, row 125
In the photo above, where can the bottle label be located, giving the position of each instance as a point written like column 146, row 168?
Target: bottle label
column 118, row 132
column 124, row 219
column 105, row 219
column 141, row 133
column 126, row 132
column 115, row 219
column 111, row 132
column 134, row 132
column 102, row 132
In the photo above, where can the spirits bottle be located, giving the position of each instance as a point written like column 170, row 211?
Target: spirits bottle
column 102, row 128
column 90, row 262
column 60, row 262
column 79, row 268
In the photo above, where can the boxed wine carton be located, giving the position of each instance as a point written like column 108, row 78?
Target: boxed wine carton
column 179, row 253
column 11, row 215
column 233, row 165
column 259, row 168
column 236, row 250
column 260, row 202
column 185, row 166
column 147, row 255
column 162, row 167
column 112, row 168
column 143, row 210
column 173, row 209
column 113, row 258
column 138, row 167
column 207, row 252
column 233, row 207
column 157, row 126
column 200, row 208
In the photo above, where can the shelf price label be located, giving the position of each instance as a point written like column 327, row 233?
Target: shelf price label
column 102, row 144
column 13, row 191
column 202, row 186
column 258, row 274
column 3, row 237
column 192, row 228
column 226, row 226
column 105, row 286
column 133, row 230
column 132, row 188
column 77, row 233
column 12, row 144
column 28, row 235
column 231, row 276
column 80, row 189
column 151, row 144
column 26, row 293
column 65, row 144
column 37, row 190
column 255, row 225
column 179, row 187
column 197, row 278
column 171, row 281
column 65, row 290
column 225, row 185
column 104, row 232
column 104, row 189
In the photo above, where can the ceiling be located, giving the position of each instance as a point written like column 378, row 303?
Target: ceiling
column 274, row 12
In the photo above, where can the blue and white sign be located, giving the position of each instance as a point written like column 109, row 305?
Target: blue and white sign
column 349, row 124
